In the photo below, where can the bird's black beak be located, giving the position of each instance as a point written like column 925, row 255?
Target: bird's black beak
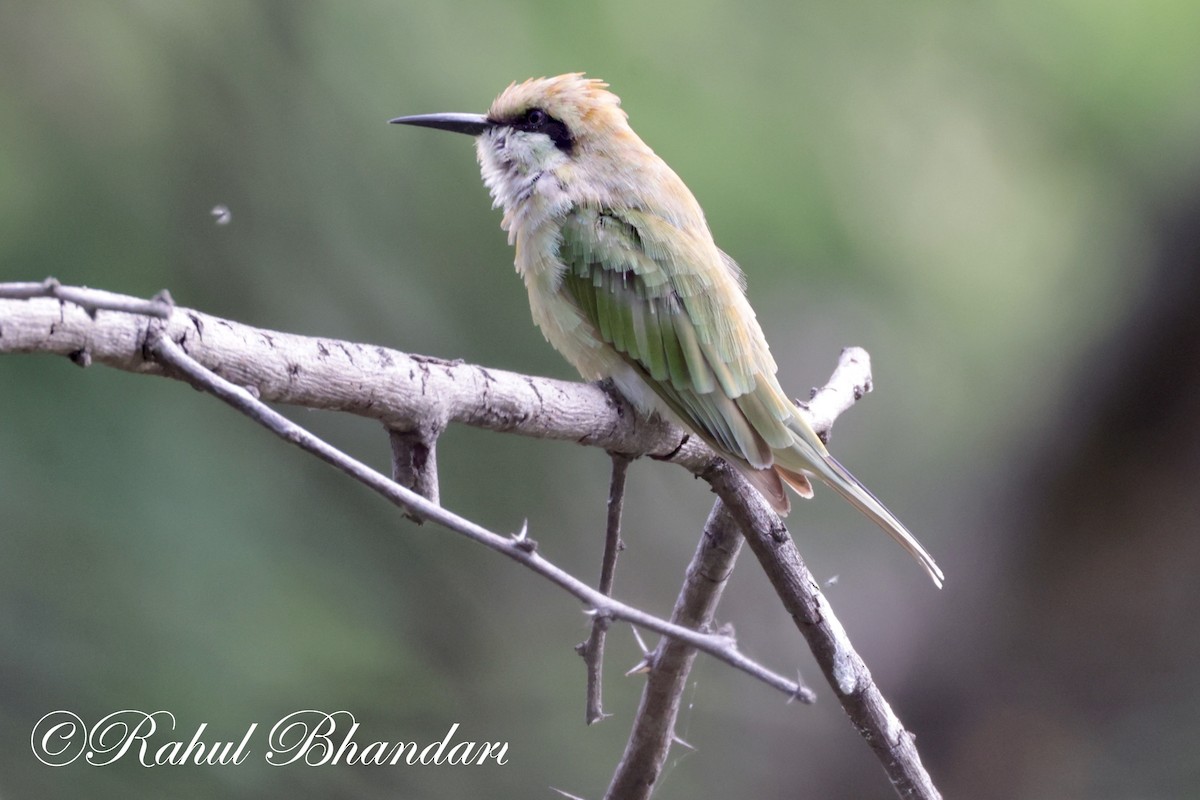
column 470, row 124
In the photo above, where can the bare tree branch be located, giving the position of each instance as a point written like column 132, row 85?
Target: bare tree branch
column 592, row 649
column 405, row 392
column 151, row 346
column 843, row 667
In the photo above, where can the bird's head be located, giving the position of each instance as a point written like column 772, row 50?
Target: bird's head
column 568, row 127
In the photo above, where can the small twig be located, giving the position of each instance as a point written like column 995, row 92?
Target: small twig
column 850, row 381
column 517, row 547
column 592, row 650
column 414, row 463
column 91, row 300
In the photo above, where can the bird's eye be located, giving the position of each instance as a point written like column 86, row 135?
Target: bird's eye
column 539, row 121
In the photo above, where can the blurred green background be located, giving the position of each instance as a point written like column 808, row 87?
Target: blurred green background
column 1000, row 201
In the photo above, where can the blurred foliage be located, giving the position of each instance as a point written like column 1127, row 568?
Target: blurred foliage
column 964, row 189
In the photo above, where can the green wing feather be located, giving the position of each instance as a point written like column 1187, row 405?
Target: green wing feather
column 678, row 322
column 672, row 320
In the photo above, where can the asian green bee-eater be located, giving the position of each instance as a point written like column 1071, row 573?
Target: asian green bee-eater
column 626, row 282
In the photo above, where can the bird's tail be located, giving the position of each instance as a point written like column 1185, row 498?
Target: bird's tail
column 837, row 477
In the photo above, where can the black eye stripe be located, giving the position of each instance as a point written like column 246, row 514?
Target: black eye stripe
column 536, row 120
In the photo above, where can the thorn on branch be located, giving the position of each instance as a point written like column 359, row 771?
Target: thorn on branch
column 567, row 795
column 641, row 643
column 641, row 667
column 803, row 694
column 521, row 539
column 164, row 299
column 677, row 740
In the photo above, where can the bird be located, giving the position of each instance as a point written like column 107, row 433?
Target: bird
column 626, row 282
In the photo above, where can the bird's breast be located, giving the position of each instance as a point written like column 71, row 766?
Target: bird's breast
column 553, row 310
